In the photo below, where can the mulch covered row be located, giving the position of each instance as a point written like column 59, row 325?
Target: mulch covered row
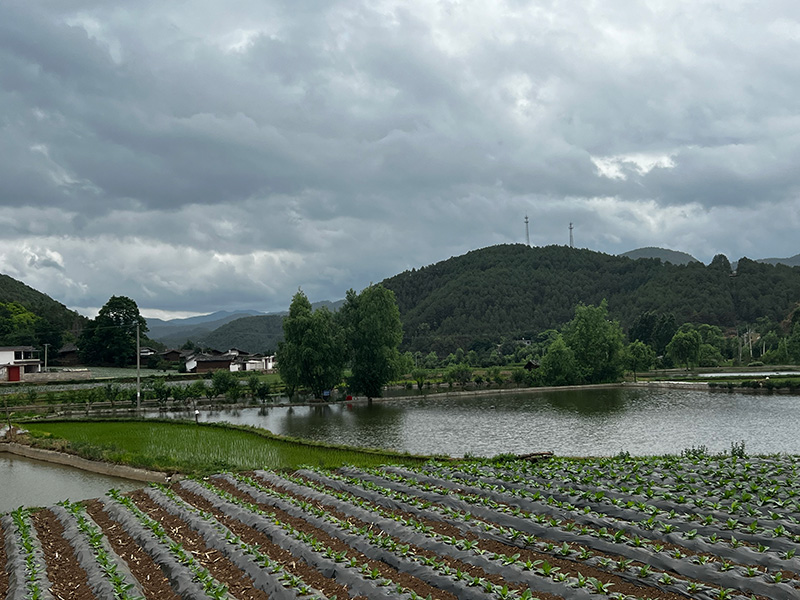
column 217, row 564
column 3, row 562
column 154, row 583
column 310, row 576
column 63, row 569
column 491, row 547
column 407, row 581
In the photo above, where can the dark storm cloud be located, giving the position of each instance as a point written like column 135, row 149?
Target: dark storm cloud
column 211, row 155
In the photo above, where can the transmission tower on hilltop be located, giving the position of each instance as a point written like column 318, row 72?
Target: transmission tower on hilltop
column 527, row 235
column 571, row 244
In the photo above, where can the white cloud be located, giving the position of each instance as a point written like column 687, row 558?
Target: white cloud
column 619, row 166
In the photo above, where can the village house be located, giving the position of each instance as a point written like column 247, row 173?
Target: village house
column 172, row 355
column 206, row 363
column 15, row 361
column 68, row 355
column 233, row 360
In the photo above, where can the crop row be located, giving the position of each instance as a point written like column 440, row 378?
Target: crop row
column 560, row 529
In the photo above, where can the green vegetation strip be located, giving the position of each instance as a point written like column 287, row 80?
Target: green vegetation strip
column 198, row 449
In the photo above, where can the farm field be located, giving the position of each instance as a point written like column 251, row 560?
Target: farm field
column 200, row 449
column 696, row 526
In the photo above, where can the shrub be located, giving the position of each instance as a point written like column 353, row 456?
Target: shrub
column 700, row 451
column 737, row 449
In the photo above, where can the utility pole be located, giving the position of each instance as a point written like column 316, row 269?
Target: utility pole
column 527, row 235
column 45, row 357
column 138, row 375
column 571, row 244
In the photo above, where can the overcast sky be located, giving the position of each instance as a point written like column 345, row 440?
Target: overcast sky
column 206, row 155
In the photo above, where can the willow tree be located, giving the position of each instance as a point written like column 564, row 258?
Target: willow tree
column 373, row 331
column 596, row 342
column 312, row 352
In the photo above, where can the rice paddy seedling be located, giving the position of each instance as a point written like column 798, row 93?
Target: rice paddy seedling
column 204, row 448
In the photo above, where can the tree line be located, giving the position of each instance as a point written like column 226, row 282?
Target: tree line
column 593, row 348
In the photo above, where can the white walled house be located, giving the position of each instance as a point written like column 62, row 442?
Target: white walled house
column 259, row 363
column 15, row 361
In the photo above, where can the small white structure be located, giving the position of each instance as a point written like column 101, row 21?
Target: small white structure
column 234, row 360
column 259, row 363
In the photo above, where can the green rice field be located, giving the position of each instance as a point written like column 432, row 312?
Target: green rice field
column 203, row 448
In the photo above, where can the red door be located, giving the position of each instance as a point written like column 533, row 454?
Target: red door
column 13, row 373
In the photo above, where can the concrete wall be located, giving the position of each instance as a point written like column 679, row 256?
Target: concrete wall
column 82, row 463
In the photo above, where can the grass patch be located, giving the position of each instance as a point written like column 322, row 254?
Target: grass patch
column 198, row 449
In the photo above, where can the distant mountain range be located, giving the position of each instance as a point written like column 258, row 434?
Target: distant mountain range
column 671, row 256
column 175, row 332
column 251, row 331
column 516, row 291
column 682, row 258
column 793, row 261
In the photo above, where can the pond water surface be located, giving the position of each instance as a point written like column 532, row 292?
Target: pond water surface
column 27, row 482
column 594, row 422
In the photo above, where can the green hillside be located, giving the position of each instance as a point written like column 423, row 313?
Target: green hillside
column 52, row 319
column 515, row 291
column 252, row 334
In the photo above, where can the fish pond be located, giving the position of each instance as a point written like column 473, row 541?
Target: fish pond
column 595, row 422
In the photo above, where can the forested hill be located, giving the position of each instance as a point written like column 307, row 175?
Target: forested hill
column 515, row 291
column 252, row 334
column 42, row 305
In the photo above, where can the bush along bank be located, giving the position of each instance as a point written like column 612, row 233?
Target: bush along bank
column 766, row 384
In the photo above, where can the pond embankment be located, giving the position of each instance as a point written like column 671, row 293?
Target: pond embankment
column 70, row 460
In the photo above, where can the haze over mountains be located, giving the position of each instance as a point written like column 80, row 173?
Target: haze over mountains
column 251, row 331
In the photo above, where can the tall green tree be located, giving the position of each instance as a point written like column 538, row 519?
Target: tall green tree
column 558, row 366
column 110, row 339
column 685, row 347
column 638, row 356
column 793, row 343
column 373, row 331
column 596, row 342
column 312, row 353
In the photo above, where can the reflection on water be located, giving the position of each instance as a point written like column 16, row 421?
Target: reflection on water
column 601, row 401
column 568, row 422
column 27, row 482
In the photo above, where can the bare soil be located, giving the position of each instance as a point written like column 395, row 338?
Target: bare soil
column 155, row 584
column 63, row 569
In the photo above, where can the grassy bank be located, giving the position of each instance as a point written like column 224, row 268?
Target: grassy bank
column 197, row 449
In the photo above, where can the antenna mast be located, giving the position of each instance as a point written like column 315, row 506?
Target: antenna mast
column 571, row 244
column 527, row 235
